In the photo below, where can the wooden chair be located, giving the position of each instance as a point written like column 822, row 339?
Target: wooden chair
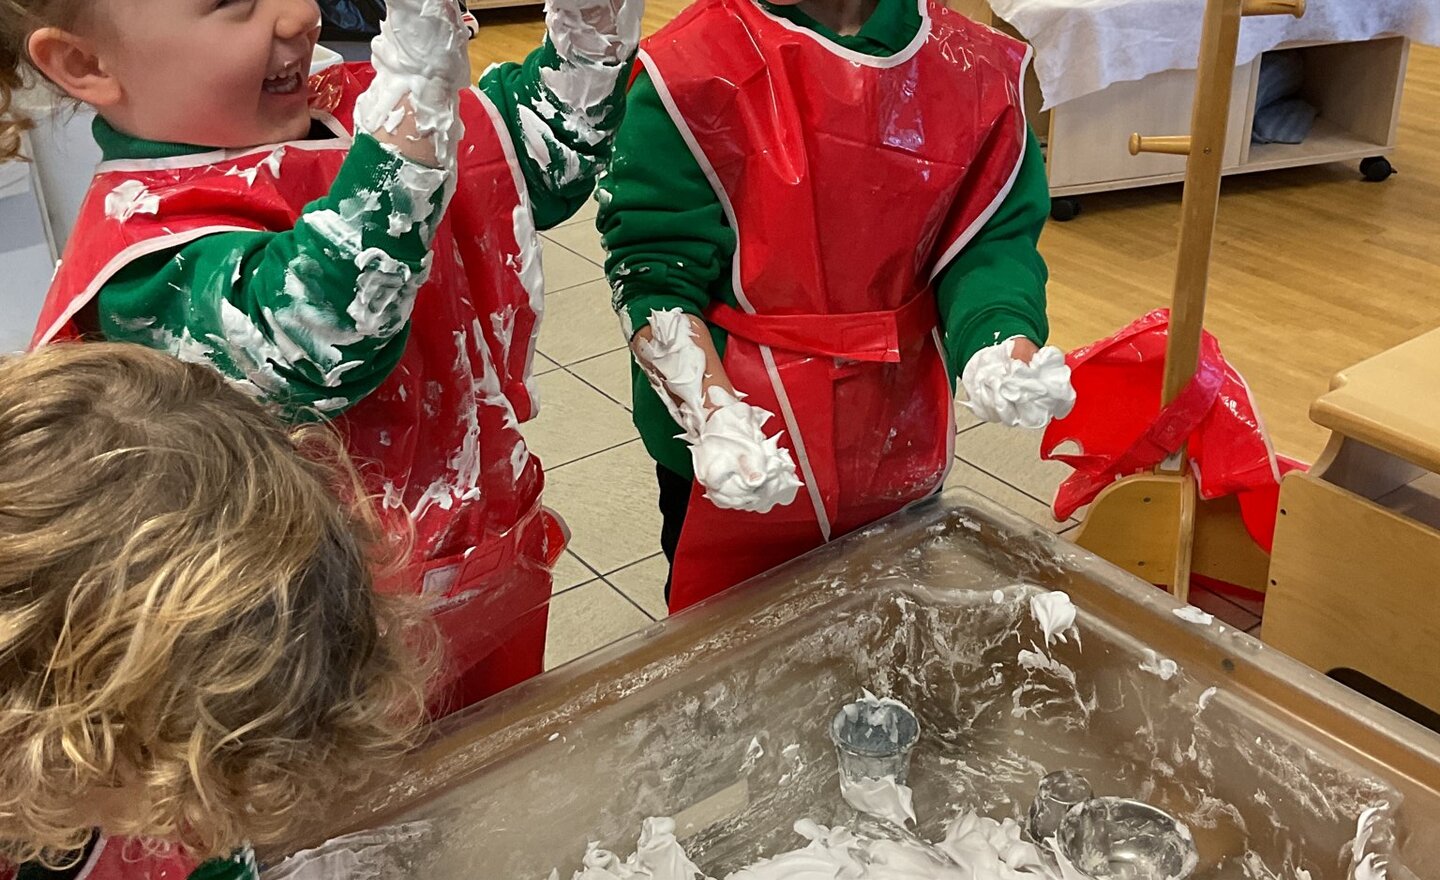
column 1355, row 572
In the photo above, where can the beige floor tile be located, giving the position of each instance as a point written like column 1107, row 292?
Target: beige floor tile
column 1012, row 455
column 644, row 583
column 565, row 268
column 609, row 501
column 586, row 618
column 586, row 214
column 543, row 365
column 964, row 418
column 610, row 373
column 575, row 420
column 569, row 572
column 967, row 475
column 579, row 324
column 583, row 239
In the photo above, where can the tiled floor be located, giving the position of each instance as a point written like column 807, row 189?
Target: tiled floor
column 601, row 481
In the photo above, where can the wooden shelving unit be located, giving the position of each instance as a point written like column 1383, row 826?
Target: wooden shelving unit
column 1356, row 87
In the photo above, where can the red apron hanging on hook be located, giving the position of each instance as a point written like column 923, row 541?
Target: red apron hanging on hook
column 1118, row 427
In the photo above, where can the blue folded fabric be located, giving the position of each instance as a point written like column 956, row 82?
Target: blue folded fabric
column 1281, row 76
column 1284, row 122
column 1280, row 116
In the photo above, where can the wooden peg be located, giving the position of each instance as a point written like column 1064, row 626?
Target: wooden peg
column 1273, row 7
column 1178, row 145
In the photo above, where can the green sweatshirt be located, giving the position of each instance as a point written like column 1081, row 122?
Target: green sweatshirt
column 250, row 303
column 670, row 245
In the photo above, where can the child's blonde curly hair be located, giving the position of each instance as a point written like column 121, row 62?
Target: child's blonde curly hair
column 18, row 20
column 187, row 612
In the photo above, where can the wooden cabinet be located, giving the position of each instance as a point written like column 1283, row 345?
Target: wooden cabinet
column 1088, row 137
column 1355, row 86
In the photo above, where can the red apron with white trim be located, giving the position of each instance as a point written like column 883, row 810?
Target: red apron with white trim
column 851, row 181
column 439, row 442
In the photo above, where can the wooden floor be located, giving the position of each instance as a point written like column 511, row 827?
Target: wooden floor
column 1314, row 269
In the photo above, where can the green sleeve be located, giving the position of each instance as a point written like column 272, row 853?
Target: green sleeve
column 995, row 288
column 663, row 226
column 240, row 866
column 312, row 319
column 561, row 148
column 669, row 245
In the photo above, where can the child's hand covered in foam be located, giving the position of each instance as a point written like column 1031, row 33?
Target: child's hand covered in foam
column 741, row 468
column 1008, row 391
column 421, row 65
column 594, row 31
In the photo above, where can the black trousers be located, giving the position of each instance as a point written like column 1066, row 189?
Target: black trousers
column 674, row 499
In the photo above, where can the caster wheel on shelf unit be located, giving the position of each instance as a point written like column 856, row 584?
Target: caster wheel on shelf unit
column 1376, row 168
column 1064, row 209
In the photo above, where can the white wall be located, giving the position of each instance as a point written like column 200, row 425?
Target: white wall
column 38, row 204
column 26, row 259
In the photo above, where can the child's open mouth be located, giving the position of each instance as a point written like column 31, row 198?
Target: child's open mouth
column 284, row 83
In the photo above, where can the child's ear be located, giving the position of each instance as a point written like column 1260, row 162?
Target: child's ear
column 71, row 62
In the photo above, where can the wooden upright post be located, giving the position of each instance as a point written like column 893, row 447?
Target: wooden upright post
column 1208, row 127
column 1155, row 524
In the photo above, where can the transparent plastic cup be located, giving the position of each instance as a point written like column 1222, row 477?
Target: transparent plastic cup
column 1057, row 794
column 874, row 739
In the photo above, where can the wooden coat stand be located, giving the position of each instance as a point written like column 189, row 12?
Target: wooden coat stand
column 1155, row 524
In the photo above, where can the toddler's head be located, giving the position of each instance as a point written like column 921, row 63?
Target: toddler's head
column 213, row 73
column 191, row 648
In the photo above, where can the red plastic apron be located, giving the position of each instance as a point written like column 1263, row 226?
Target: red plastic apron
column 439, row 441
column 1119, row 428
column 850, row 181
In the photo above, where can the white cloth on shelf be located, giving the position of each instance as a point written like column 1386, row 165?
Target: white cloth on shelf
column 1082, row 46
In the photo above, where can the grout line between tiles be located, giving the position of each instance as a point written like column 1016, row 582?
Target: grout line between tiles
column 623, row 595
column 592, row 357
column 994, row 476
column 640, row 561
column 552, row 468
column 597, row 389
column 570, row 287
column 573, row 221
column 592, row 569
column 575, row 587
column 578, row 254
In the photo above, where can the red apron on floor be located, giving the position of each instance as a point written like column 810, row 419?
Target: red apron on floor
column 439, row 441
column 851, row 181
